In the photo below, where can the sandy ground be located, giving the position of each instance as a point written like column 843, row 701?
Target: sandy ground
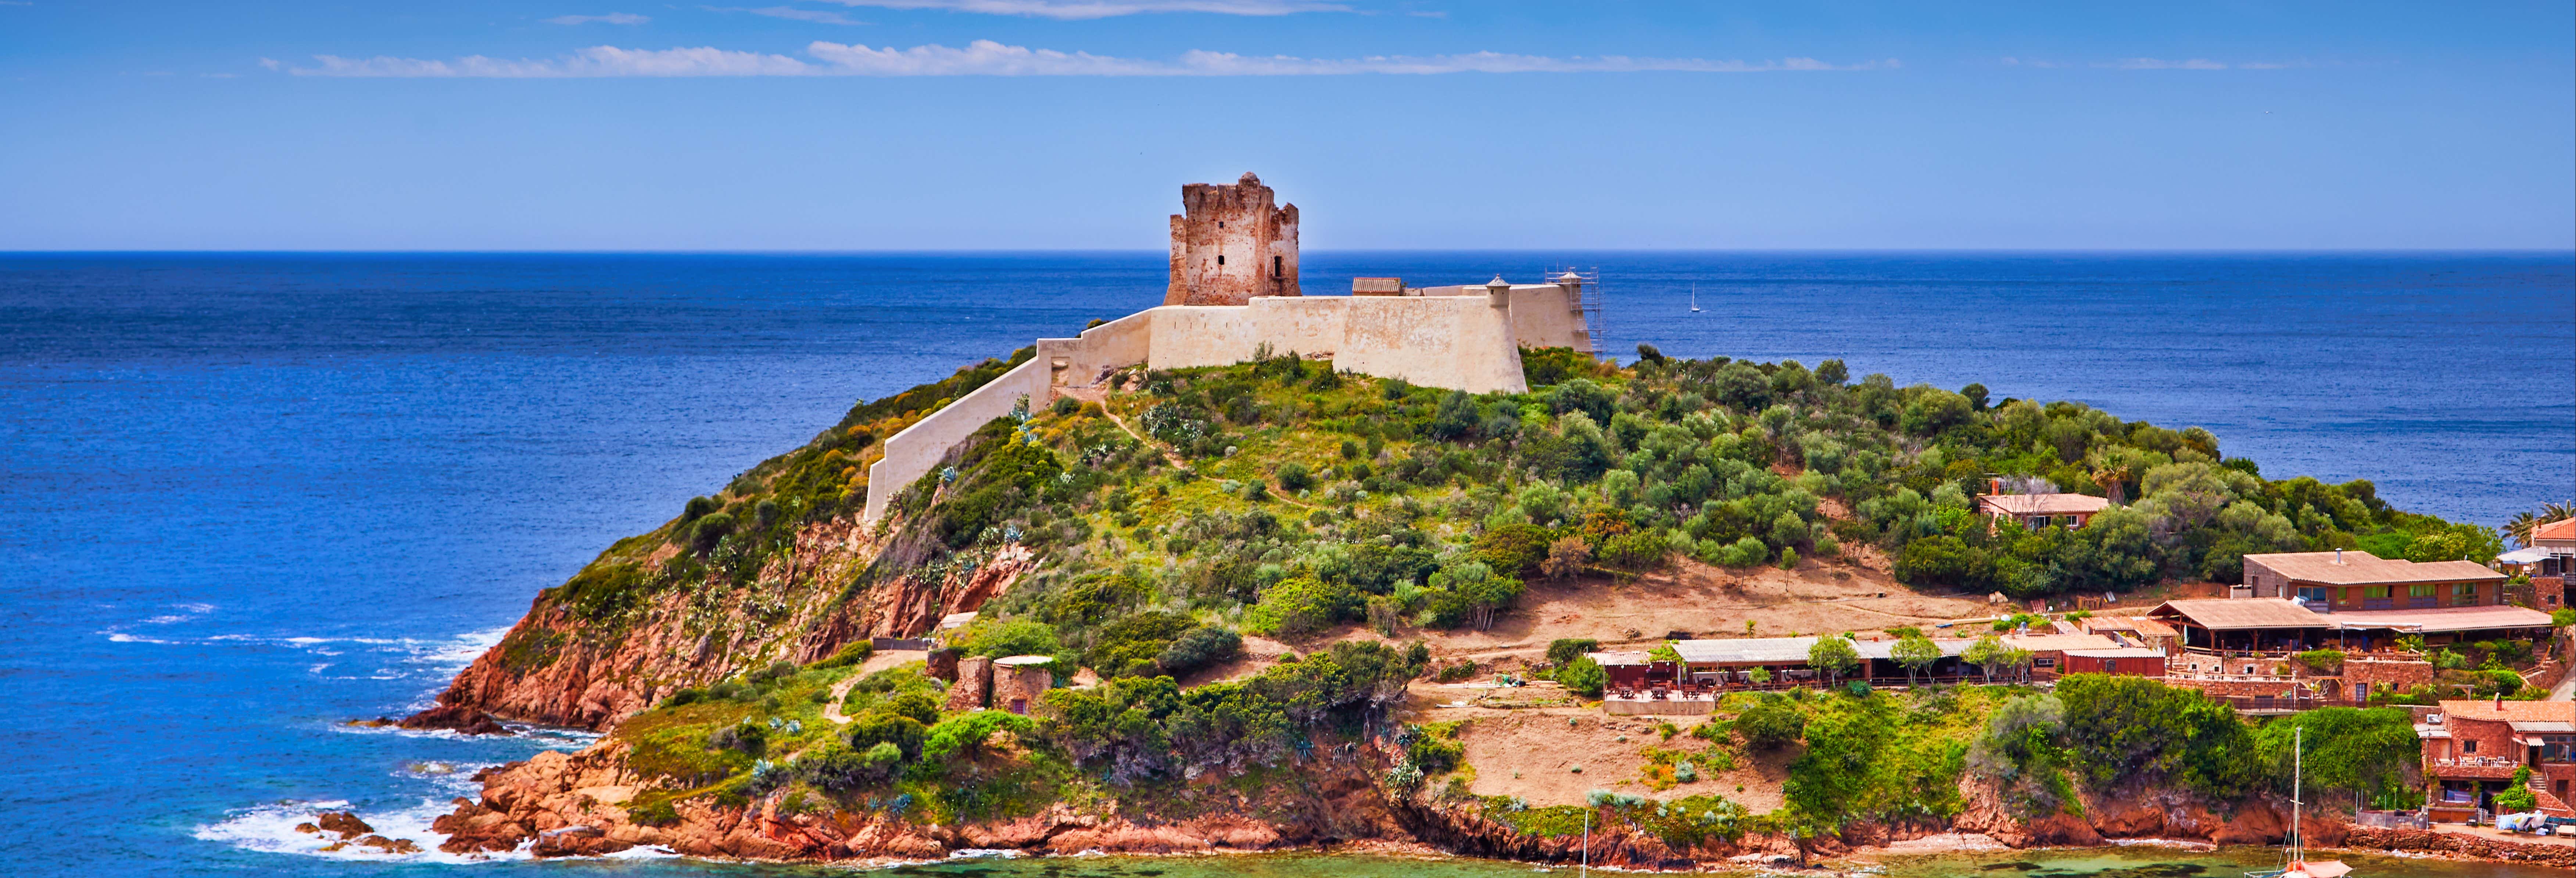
column 1533, row 752
column 1697, row 600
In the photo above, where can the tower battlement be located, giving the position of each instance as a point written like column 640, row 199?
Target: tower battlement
column 1230, row 244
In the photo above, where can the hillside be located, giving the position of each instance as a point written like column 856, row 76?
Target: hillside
column 1317, row 542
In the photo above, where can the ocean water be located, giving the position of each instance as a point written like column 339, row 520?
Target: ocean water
column 244, row 498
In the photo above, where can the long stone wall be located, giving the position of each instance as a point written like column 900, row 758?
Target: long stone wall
column 1464, row 338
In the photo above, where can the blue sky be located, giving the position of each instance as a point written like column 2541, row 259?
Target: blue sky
column 984, row 124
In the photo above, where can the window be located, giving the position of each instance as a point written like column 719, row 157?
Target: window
column 2315, row 598
column 1278, row 266
column 2110, row 666
column 2420, row 595
column 1220, row 259
column 2469, row 746
column 2464, row 594
column 2367, row 591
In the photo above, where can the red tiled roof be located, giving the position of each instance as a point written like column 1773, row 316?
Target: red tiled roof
column 2041, row 504
column 2511, row 711
column 2562, row 529
column 2230, row 614
column 2355, row 567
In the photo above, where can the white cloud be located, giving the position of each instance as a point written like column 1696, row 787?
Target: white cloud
column 1084, row 9
column 591, row 62
column 791, row 13
column 611, row 18
column 2162, row 64
column 989, row 58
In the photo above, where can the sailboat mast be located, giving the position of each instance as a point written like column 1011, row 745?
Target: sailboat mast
column 2298, row 777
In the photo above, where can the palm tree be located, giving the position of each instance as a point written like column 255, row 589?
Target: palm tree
column 2523, row 523
column 2114, row 477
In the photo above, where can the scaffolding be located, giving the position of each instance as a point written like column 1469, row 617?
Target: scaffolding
column 1587, row 300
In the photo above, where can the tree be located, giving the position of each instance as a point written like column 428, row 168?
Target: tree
column 2516, row 797
column 1771, row 724
column 2523, row 523
column 2019, row 660
column 1583, row 676
column 1834, row 656
column 1565, row 558
column 1917, row 653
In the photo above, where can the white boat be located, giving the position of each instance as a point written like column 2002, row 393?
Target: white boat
column 2296, row 863
column 1694, row 298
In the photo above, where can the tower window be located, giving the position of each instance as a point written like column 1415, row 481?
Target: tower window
column 1278, row 266
column 1220, row 259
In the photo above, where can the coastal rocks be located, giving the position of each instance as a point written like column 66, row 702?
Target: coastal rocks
column 461, row 718
column 558, row 669
column 346, row 824
column 2460, row 845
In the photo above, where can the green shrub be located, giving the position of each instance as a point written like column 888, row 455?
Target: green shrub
column 1565, row 650
column 1199, row 647
column 1583, row 676
column 855, row 652
column 1771, row 724
column 1298, row 606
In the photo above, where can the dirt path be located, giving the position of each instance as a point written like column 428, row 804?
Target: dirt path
column 891, row 658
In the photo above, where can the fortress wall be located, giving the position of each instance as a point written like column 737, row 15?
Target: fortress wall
column 1461, row 342
column 919, row 447
column 1548, row 316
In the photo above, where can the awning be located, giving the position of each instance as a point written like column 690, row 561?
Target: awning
column 2526, row 555
column 2554, row 727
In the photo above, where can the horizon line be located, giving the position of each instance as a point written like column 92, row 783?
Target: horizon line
column 963, row 251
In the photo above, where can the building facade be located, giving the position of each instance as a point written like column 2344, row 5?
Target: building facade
column 2347, row 580
column 1232, row 243
column 2472, row 750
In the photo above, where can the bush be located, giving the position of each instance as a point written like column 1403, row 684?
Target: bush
column 1295, row 477
column 1771, row 725
column 1516, row 550
column 1301, row 605
column 2517, row 796
column 1564, row 651
column 1583, row 676
column 853, row 653
column 1199, row 647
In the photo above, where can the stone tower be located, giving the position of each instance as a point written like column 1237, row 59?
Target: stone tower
column 1230, row 245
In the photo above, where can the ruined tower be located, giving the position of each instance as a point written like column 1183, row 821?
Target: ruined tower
column 1230, row 245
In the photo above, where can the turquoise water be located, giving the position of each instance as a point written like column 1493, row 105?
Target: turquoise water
column 2157, row 862
column 245, row 497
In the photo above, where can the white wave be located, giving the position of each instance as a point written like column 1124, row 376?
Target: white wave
column 122, row 637
column 199, row 609
column 271, row 829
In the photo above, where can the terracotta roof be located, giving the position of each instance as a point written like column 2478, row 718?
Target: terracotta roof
column 2443, row 618
column 2513, row 711
column 2144, row 626
column 1379, row 285
column 2122, row 652
column 2562, row 529
column 2059, row 642
column 2230, row 614
column 2041, row 504
column 2363, row 568
column 1749, row 650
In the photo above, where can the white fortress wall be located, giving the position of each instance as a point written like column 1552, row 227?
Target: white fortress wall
column 919, row 447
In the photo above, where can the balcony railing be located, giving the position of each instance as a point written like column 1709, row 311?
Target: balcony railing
column 2475, row 762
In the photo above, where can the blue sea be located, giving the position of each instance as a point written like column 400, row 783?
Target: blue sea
column 244, row 498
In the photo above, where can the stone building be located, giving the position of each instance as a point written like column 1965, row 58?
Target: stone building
column 973, row 688
column 2345, row 580
column 1230, row 244
column 1019, row 681
column 2473, row 748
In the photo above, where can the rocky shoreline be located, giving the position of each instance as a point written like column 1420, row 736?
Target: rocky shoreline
column 561, row 804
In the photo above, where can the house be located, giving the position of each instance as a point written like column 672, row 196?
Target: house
column 2347, row 579
column 2035, row 511
column 2547, row 560
column 1622, row 669
column 2473, row 748
column 2135, row 661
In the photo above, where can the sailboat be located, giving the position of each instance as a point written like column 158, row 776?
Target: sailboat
column 1694, row 298
column 2297, row 864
